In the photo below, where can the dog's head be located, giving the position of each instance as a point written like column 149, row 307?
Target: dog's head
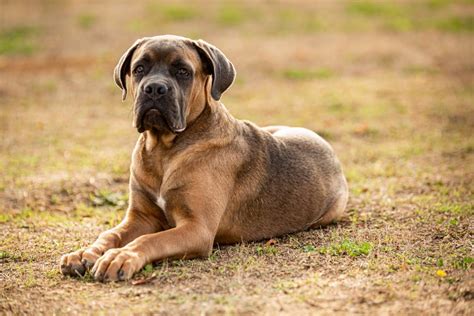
column 168, row 80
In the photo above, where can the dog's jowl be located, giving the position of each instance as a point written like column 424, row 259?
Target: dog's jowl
column 198, row 175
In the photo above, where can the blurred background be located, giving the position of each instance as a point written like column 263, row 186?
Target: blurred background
column 388, row 83
column 354, row 71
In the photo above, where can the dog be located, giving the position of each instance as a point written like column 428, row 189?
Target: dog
column 198, row 175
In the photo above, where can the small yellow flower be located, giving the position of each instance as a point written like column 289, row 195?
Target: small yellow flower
column 441, row 273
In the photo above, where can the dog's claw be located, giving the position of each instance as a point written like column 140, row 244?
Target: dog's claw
column 78, row 270
column 121, row 274
column 100, row 277
column 65, row 269
column 87, row 264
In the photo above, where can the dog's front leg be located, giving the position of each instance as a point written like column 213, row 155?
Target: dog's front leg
column 139, row 220
column 196, row 215
column 188, row 240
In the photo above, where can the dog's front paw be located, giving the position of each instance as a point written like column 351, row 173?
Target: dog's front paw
column 78, row 262
column 118, row 265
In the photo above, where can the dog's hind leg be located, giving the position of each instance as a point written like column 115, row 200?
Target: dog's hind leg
column 335, row 211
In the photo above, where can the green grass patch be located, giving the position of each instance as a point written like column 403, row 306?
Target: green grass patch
column 18, row 41
column 354, row 175
column 297, row 21
column 86, row 20
column 454, row 208
column 285, row 286
column 266, row 250
column 135, row 25
column 440, row 262
column 4, row 218
column 29, row 216
column 5, row 255
column 437, row 4
column 230, row 15
column 348, row 247
column 53, row 274
column 19, row 165
column 178, row 13
column 391, row 16
column 302, row 74
column 420, row 69
column 107, row 198
column 148, row 269
column 463, row 263
column 456, row 24
column 374, row 8
column 400, row 24
column 309, row 248
column 107, row 214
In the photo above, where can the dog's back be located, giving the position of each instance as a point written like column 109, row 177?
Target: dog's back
column 290, row 181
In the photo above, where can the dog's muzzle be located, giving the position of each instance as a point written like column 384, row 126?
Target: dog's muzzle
column 154, row 117
column 158, row 107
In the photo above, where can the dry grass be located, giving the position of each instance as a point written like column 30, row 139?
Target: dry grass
column 390, row 85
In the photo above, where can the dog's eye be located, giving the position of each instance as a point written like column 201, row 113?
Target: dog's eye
column 182, row 72
column 138, row 70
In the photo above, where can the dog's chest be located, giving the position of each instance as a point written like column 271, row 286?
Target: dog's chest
column 161, row 202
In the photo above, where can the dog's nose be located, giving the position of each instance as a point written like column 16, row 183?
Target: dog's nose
column 155, row 89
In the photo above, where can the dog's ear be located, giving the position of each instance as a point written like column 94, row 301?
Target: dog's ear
column 123, row 67
column 217, row 65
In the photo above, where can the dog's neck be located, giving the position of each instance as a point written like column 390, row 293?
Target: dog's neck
column 213, row 120
column 154, row 138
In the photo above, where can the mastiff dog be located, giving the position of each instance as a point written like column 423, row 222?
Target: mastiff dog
column 199, row 176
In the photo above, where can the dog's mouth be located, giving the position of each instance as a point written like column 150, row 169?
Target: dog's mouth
column 153, row 119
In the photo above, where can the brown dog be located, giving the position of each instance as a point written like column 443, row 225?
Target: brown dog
column 198, row 175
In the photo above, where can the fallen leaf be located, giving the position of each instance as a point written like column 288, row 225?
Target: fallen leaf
column 144, row 280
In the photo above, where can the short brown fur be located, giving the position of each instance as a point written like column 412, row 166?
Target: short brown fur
column 220, row 180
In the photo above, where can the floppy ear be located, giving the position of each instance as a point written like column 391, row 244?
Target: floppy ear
column 217, row 65
column 123, row 67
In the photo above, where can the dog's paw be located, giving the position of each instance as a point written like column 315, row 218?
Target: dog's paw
column 78, row 262
column 118, row 265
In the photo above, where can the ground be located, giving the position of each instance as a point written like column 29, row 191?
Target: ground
column 388, row 84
